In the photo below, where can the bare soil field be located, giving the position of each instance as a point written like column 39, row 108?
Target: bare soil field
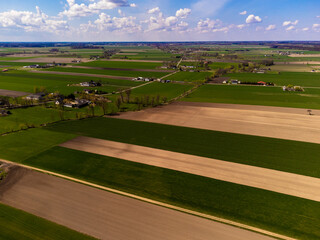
column 304, row 55
column 9, row 93
column 272, row 180
column 52, row 59
column 83, row 75
column 275, row 122
column 107, row 215
column 297, row 63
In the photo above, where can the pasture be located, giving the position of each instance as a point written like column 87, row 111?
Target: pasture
column 256, row 95
column 189, row 76
column 132, row 74
column 122, row 64
column 281, row 79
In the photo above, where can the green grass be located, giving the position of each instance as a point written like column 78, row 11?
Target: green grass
column 284, row 155
column 169, row 90
column 26, row 81
column 276, row 212
column 133, row 74
column 217, row 65
column 256, row 95
column 284, row 78
column 125, row 65
column 189, row 76
column 16, row 224
column 22, row 145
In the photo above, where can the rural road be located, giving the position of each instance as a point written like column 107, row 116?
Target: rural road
column 272, row 180
column 275, row 122
column 107, row 215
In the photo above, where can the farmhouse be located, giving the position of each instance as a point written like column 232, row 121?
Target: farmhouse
column 36, row 96
column 89, row 84
column 78, row 103
column 235, row 82
column 4, row 112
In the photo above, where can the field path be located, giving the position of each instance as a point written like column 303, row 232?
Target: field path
column 272, row 180
column 275, row 122
column 107, row 215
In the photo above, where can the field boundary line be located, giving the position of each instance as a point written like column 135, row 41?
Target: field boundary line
column 187, row 211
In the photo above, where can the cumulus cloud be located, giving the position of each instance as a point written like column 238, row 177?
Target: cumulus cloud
column 290, row 28
column 271, row 27
column 133, row 5
column 81, row 10
column 253, row 19
column 31, row 21
column 183, row 13
column 208, row 25
column 241, row 26
column 305, row 29
column 243, row 13
column 154, row 10
column 287, row 23
column 316, row 26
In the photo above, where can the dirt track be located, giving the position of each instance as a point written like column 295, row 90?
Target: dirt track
column 9, row 93
column 282, row 182
column 106, row 215
column 129, row 60
column 274, row 122
column 83, row 75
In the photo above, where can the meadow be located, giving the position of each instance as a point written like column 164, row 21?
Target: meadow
column 189, row 76
column 132, row 74
column 281, row 79
column 256, row 95
column 121, row 64
column 16, row 224
column 26, row 81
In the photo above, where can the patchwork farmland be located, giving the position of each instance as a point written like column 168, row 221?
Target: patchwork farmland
column 159, row 142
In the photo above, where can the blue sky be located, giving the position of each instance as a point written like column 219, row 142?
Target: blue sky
column 159, row 20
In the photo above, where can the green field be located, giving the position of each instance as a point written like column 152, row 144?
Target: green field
column 132, row 74
column 17, row 225
column 189, row 76
column 169, row 90
column 279, row 213
column 256, row 95
column 245, row 149
column 119, row 64
column 284, row 78
column 26, row 81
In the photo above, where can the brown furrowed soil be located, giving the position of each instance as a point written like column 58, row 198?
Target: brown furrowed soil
column 9, row 93
column 107, row 215
column 275, row 122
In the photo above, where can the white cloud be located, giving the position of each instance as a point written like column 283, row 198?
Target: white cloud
column 290, row 28
column 287, row 23
column 208, row 25
column 318, row 16
column 133, row 5
column 243, row 13
column 30, row 21
column 82, row 10
column 241, row 26
column 154, row 10
column 253, row 19
column 305, row 29
column 271, row 27
column 183, row 13
column 316, row 26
